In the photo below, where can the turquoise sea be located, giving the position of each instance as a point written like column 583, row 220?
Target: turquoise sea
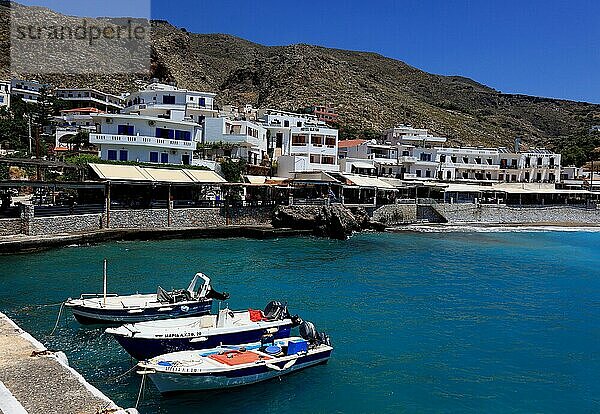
column 460, row 322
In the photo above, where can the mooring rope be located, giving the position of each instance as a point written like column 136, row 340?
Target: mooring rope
column 137, row 403
column 118, row 377
column 58, row 318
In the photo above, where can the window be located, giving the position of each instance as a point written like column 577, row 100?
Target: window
column 123, row 155
column 539, row 160
column 168, row 100
column 286, row 124
column 425, row 157
column 490, row 161
column 466, row 160
column 183, row 135
column 299, row 140
column 165, row 133
column 299, row 124
column 552, row 162
column 185, row 159
column 330, row 141
column 279, row 140
column 453, row 159
column 154, row 156
column 503, row 163
column 202, row 102
column 418, row 172
column 427, row 173
column 126, row 130
column 477, row 160
column 316, row 140
column 442, row 158
column 164, row 158
column 331, row 160
column 315, row 159
column 112, row 155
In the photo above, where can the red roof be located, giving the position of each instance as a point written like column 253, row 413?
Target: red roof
column 88, row 109
column 351, row 143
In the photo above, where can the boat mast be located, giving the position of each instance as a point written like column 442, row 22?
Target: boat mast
column 104, row 282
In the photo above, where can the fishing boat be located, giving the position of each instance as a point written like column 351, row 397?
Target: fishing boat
column 145, row 340
column 234, row 366
column 112, row 308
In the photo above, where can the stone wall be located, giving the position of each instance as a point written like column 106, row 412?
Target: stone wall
column 10, row 227
column 251, row 216
column 396, row 214
column 499, row 214
column 65, row 224
column 138, row 219
column 197, row 217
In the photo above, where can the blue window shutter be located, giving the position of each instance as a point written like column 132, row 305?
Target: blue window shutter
column 112, row 155
column 153, row 156
column 164, row 158
column 171, row 134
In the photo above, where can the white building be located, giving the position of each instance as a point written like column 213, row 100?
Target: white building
column 27, row 90
column 468, row 164
column 72, row 121
column 237, row 139
column 90, row 98
column 5, row 87
column 160, row 124
column 300, row 142
column 595, row 128
column 537, row 165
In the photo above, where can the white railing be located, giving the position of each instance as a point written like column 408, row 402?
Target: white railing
column 142, row 141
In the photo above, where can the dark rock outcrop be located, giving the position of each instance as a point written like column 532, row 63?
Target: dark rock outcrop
column 336, row 221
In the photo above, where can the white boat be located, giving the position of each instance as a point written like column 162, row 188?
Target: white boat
column 112, row 308
column 145, row 340
column 234, row 366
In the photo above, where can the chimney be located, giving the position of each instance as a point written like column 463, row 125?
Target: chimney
column 517, row 145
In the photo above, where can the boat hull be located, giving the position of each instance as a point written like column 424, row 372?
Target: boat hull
column 146, row 348
column 169, row 383
column 89, row 316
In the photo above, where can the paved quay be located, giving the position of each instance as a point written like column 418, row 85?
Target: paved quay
column 22, row 243
column 35, row 380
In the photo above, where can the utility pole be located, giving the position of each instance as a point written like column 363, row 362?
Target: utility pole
column 30, row 137
column 37, row 153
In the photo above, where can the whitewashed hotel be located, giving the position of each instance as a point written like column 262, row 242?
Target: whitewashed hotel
column 300, row 142
column 90, row 98
column 236, row 139
column 5, row 87
column 160, row 124
column 27, row 90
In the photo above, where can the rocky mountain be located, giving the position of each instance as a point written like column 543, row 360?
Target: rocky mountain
column 371, row 92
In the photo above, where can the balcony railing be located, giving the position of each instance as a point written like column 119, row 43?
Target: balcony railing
column 142, row 141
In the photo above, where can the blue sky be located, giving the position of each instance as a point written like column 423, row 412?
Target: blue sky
column 537, row 47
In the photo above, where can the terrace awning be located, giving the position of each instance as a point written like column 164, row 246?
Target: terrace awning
column 132, row 173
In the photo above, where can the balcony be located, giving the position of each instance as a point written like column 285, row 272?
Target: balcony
column 242, row 139
column 468, row 166
column 141, row 140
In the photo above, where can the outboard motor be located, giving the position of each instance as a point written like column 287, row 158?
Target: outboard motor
column 296, row 321
column 213, row 294
column 309, row 333
column 276, row 310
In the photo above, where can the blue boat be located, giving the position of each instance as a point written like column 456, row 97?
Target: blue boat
column 148, row 339
column 226, row 366
column 111, row 308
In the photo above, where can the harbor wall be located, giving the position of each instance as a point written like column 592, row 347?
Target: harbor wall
column 10, row 227
column 65, row 224
column 165, row 218
column 499, row 214
column 396, row 214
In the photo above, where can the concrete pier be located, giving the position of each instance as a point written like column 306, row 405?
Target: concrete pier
column 34, row 380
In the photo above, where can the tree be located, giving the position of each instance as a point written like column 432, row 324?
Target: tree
column 233, row 170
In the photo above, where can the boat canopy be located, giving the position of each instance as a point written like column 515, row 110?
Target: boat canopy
column 202, row 290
